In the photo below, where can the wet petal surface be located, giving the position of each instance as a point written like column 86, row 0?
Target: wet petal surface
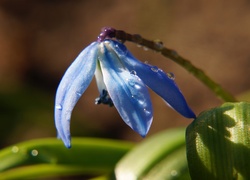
column 160, row 82
column 129, row 94
column 74, row 82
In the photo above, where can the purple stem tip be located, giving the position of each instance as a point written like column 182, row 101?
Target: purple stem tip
column 106, row 32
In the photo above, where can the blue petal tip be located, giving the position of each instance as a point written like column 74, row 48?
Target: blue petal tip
column 68, row 146
column 67, row 143
column 189, row 113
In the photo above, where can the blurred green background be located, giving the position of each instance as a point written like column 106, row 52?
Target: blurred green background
column 40, row 38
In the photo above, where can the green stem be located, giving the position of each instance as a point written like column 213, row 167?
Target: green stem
column 186, row 64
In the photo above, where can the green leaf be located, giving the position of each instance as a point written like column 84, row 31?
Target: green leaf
column 218, row 143
column 49, row 157
column 172, row 167
column 41, row 171
column 155, row 157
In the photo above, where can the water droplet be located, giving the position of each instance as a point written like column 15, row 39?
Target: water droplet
column 146, row 62
column 141, row 102
column 59, row 107
column 121, row 48
column 34, row 152
column 146, row 111
column 154, row 68
column 78, row 94
column 145, row 48
column 171, row 75
column 15, row 149
column 131, row 82
column 158, row 44
column 133, row 72
column 173, row 173
column 106, row 42
column 139, row 46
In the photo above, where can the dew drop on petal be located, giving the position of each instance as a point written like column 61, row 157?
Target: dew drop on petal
column 141, row 102
column 137, row 87
column 121, row 48
column 155, row 69
column 135, row 97
column 78, row 94
column 171, row 75
column 59, row 107
column 116, row 46
column 15, row 149
column 106, row 42
column 131, row 82
column 133, row 72
column 146, row 111
column 34, row 152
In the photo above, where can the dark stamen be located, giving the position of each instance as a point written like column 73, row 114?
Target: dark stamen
column 104, row 99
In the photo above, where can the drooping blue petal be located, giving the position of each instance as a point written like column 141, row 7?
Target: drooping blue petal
column 129, row 94
column 74, row 82
column 161, row 83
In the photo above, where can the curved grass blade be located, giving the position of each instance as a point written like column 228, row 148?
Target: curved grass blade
column 91, row 155
column 141, row 159
column 172, row 167
column 41, row 171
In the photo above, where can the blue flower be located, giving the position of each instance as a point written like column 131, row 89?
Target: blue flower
column 122, row 81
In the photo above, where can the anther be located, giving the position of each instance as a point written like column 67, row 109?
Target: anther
column 104, row 99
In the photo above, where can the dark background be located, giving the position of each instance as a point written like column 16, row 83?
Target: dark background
column 40, row 38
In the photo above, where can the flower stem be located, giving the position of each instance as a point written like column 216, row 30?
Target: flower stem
column 173, row 55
